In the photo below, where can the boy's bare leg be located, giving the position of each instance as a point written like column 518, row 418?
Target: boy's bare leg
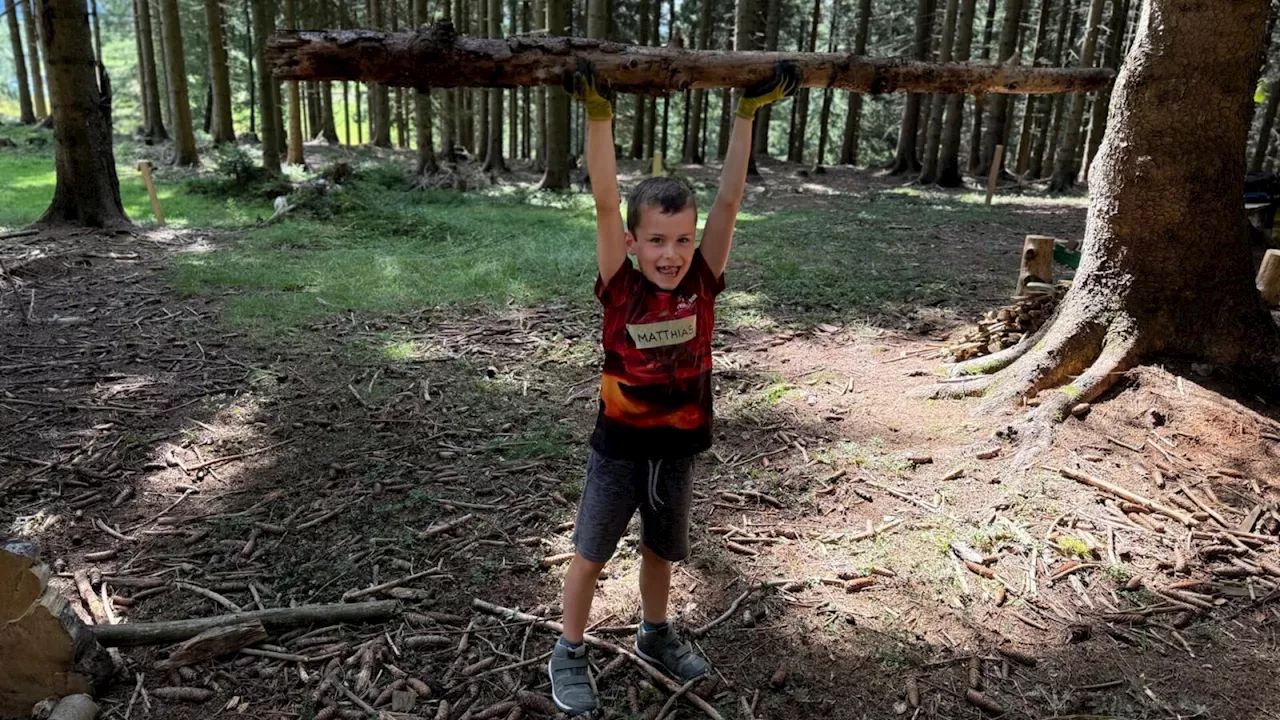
column 655, row 586
column 579, row 591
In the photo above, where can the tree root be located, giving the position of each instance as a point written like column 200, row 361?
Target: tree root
column 995, row 362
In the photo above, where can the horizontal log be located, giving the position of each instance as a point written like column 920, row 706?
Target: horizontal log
column 170, row 631
column 435, row 56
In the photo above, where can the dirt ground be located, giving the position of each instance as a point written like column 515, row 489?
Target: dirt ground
column 274, row 474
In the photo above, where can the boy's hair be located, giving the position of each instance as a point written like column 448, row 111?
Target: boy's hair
column 667, row 195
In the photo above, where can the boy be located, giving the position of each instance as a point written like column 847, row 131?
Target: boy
column 655, row 405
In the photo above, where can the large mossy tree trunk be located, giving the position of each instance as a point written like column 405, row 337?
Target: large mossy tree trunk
column 87, row 191
column 1167, row 268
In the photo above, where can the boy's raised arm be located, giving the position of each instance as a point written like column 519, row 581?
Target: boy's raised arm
column 717, row 235
column 602, row 168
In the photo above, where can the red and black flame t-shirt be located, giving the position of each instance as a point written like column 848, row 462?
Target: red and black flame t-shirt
column 655, row 395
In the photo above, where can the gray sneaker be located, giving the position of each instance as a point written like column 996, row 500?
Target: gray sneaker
column 665, row 649
column 570, row 681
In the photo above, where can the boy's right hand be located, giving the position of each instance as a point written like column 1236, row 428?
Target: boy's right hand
column 584, row 86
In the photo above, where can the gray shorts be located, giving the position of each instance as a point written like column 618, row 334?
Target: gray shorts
column 661, row 489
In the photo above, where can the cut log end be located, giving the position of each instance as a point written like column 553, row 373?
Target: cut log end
column 59, row 655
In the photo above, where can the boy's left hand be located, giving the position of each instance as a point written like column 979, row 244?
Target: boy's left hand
column 784, row 82
column 586, row 87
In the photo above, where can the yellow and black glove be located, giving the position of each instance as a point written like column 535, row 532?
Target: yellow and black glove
column 584, row 86
column 784, row 83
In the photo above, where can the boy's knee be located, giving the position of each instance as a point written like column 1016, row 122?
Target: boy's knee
column 649, row 555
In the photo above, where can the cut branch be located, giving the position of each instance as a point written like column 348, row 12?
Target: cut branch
column 156, row 633
column 437, row 57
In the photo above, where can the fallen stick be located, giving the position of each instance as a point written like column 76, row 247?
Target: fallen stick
column 356, row 594
column 675, row 696
column 169, row 631
column 91, row 600
column 1132, row 497
column 438, row 529
column 237, row 456
column 651, row 671
column 206, row 592
column 733, row 606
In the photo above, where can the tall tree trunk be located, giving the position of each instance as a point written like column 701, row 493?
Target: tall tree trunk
column 156, row 131
column 540, row 98
column 1033, row 107
column 824, row 118
column 250, row 58
column 980, row 101
column 220, row 127
column 800, row 128
column 651, row 119
column 166, row 95
column 933, row 138
column 638, row 115
column 379, row 94
column 557, row 110
column 949, row 154
column 34, row 53
column 143, row 108
column 184, row 138
column 358, row 91
column 693, row 152
column 328, row 127
column 906, row 159
column 346, row 113
column 315, row 110
column 1167, row 268
column 263, row 25
column 853, row 114
column 1064, row 165
column 747, row 34
column 1102, row 102
column 1051, row 106
column 494, row 161
column 527, row 127
column 726, row 118
column 87, row 191
column 998, row 106
column 294, row 156
column 764, row 116
column 422, row 107
column 28, row 114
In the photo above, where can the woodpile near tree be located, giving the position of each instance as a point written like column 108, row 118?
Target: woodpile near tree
column 1007, row 326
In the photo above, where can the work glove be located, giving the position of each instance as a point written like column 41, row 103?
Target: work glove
column 584, row 86
column 784, row 83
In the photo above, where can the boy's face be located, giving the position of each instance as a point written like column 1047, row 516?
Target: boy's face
column 663, row 243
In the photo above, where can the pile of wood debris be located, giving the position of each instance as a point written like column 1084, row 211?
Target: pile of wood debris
column 1006, row 326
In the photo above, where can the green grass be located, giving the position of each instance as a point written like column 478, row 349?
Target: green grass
column 29, row 182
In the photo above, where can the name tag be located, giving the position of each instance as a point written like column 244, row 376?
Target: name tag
column 661, row 334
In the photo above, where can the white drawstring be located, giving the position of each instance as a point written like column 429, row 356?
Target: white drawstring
column 654, row 470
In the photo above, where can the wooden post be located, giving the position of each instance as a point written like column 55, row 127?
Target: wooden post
column 657, row 163
column 1269, row 278
column 1037, row 261
column 144, row 167
column 996, row 163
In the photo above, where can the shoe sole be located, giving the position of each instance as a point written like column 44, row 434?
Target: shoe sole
column 564, row 708
column 662, row 666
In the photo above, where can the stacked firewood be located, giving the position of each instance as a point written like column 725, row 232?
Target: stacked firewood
column 1006, row 326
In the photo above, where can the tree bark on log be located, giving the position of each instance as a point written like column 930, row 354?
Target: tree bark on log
column 169, row 631
column 1167, row 268
column 53, row 652
column 436, row 57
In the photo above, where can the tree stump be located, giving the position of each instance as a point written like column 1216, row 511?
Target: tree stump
column 1037, row 263
column 1269, row 278
column 47, row 650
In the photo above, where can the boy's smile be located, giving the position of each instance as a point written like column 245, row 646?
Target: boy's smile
column 663, row 244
